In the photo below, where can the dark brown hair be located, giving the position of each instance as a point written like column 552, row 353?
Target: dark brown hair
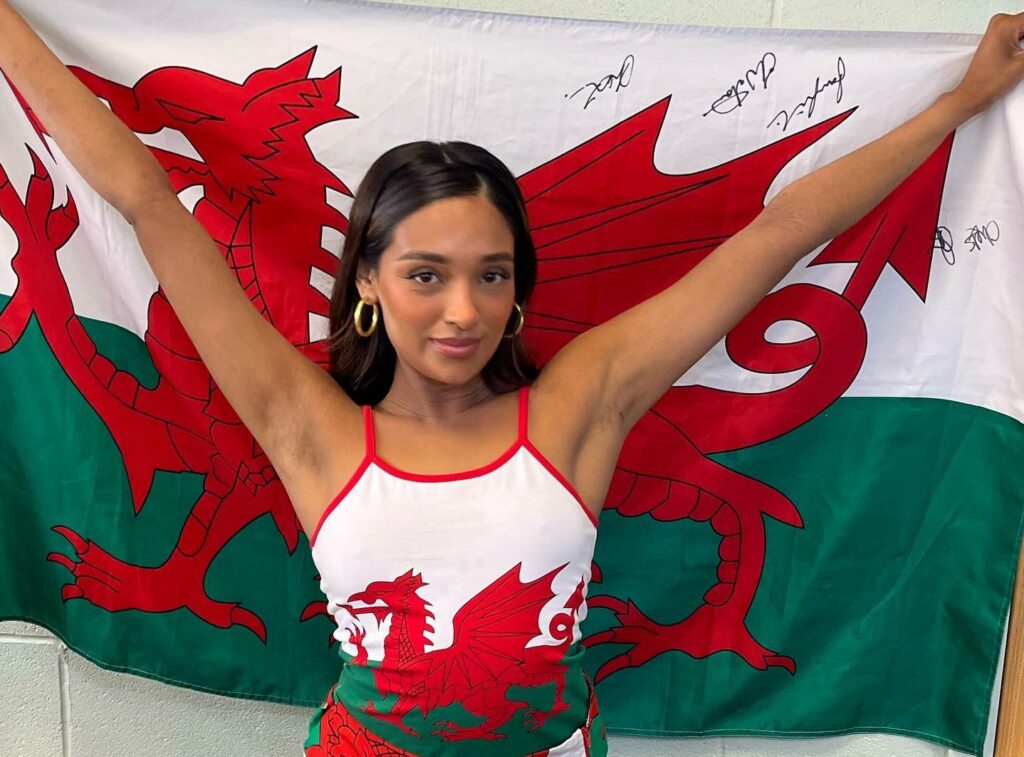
column 400, row 182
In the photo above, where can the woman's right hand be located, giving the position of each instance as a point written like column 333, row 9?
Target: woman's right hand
column 997, row 66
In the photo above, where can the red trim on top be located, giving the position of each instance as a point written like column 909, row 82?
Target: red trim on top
column 460, row 475
column 524, row 412
column 368, row 455
column 561, row 479
column 522, row 440
column 457, row 476
column 369, row 434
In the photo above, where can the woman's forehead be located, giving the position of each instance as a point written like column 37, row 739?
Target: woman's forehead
column 456, row 229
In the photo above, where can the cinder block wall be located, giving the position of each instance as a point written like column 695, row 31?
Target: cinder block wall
column 116, row 714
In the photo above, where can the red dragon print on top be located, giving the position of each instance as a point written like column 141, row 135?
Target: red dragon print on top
column 477, row 641
column 443, row 674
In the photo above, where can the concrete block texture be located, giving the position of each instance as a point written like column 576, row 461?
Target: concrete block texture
column 706, row 13
column 884, row 15
column 20, row 628
column 116, row 714
column 30, row 703
column 864, row 15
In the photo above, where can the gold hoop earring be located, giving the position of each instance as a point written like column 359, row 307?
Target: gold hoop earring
column 357, row 316
column 519, row 326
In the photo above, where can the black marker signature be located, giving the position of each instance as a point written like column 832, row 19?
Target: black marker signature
column 976, row 235
column 737, row 93
column 620, row 80
column 943, row 241
column 807, row 105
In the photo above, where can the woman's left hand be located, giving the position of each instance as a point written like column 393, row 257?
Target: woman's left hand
column 997, row 65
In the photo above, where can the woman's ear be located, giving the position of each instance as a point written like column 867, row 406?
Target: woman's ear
column 366, row 282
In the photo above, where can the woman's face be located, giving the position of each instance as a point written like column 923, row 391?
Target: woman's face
column 447, row 274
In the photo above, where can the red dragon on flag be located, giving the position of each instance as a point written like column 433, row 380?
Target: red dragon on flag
column 610, row 230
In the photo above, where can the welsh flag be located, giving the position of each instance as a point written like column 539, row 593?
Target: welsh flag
column 815, row 532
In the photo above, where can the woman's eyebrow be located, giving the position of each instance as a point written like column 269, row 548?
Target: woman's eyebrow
column 435, row 257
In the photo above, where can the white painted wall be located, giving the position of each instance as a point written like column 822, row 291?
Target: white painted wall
column 54, row 703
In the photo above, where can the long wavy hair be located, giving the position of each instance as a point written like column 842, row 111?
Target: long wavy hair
column 400, row 182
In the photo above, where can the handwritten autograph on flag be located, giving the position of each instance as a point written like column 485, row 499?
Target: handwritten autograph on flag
column 735, row 95
column 620, row 80
column 756, row 78
column 976, row 236
column 806, row 106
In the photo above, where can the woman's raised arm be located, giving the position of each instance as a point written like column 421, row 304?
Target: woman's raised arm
column 610, row 374
column 279, row 394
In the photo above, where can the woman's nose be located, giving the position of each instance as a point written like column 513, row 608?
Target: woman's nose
column 461, row 308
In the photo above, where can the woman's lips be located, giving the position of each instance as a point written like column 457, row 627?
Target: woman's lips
column 456, row 347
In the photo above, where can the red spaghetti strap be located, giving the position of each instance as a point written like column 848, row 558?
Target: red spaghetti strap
column 371, row 444
column 368, row 456
column 524, row 411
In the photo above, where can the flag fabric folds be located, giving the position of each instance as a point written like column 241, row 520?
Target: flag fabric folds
column 815, row 532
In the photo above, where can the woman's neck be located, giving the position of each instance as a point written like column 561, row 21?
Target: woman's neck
column 418, row 397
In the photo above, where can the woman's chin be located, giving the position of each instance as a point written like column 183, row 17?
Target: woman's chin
column 455, row 372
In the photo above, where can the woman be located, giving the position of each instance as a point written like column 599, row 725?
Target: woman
column 488, row 497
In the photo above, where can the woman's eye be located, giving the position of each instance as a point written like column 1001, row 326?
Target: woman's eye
column 429, row 277
column 417, row 277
